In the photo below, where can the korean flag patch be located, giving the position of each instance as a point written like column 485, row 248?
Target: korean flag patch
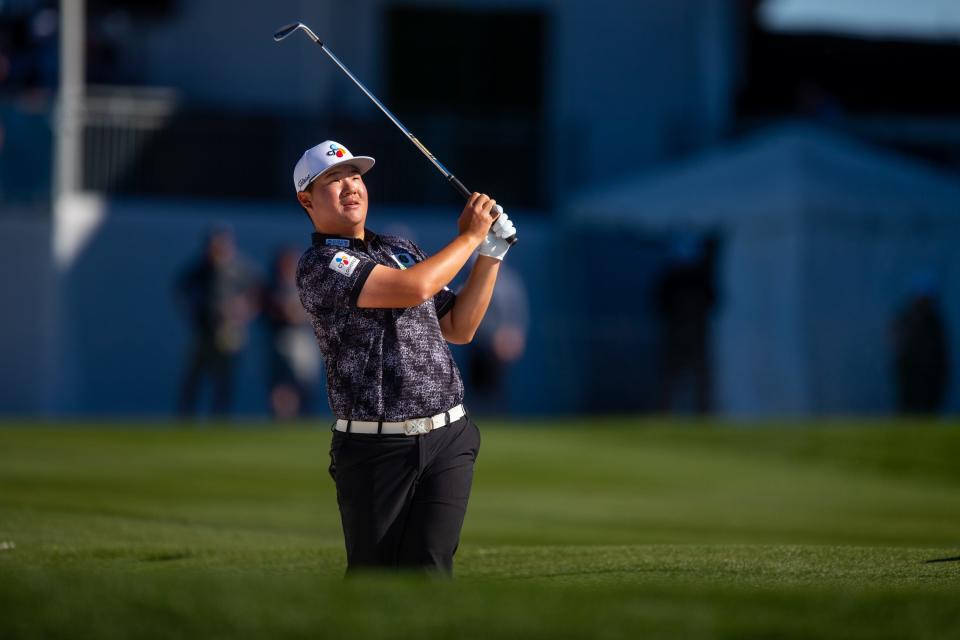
column 344, row 263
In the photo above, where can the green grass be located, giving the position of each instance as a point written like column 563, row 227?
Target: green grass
column 607, row 529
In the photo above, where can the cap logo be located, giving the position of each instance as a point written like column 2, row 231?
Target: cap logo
column 321, row 158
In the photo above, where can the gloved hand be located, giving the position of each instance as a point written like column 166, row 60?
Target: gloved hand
column 494, row 245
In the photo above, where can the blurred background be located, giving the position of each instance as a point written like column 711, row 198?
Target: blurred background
column 738, row 208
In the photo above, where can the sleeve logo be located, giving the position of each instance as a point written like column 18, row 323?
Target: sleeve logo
column 344, row 263
column 404, row 260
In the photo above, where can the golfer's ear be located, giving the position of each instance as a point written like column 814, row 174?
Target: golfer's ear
column 304, row 199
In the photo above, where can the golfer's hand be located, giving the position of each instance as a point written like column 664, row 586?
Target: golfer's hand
column 494, row 244
column 477, row 217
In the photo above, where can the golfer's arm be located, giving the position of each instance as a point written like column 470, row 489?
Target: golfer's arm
column 388, row 288
column 461, row 323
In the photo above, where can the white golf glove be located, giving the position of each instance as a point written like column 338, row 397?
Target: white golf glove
column 494, row 245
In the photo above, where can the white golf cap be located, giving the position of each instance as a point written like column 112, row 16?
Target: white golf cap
column 325, row 156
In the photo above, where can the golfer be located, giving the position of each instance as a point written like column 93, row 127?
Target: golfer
column 403, row 446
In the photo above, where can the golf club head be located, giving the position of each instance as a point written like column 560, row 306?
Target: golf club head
column 286, row 30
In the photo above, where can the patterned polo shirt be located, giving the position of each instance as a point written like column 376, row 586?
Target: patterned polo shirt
column 382, row 364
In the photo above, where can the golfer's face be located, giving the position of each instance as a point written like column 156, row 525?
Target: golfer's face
column 341, row 195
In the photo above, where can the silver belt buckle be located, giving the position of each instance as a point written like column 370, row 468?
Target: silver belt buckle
column 418, row 426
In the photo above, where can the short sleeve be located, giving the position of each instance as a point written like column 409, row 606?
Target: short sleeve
column 443, row 301
column 331, row 278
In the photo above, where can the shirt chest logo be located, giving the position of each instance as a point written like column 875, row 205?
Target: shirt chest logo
column 404, row 260
column 344, row 263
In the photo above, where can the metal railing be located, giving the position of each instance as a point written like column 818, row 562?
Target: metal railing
column 147, row 143
column 119, row 128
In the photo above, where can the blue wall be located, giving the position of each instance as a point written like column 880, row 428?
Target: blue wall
column 123, row 343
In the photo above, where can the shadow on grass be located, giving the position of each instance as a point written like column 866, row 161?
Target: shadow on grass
column 954, row 559
column 166, row 556
column 585, row 572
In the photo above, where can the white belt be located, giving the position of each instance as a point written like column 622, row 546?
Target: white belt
column 412, row 427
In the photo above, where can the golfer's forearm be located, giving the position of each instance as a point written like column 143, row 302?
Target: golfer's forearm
column 396, row 289
column 473, row 299
column 437, row 271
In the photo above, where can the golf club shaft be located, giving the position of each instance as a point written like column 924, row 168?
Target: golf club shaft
column 283, row 32
column 446, row 173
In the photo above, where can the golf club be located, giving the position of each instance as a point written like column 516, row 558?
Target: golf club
column 285, row 31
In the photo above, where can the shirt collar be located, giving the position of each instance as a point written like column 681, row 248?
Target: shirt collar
column 321, row 239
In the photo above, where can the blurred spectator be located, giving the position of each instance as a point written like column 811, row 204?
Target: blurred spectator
column 294, row 356
column 685, row 300
column 500, row 340
column 218, row 293
column 920, row 349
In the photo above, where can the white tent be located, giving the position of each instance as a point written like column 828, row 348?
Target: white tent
column 821, row 236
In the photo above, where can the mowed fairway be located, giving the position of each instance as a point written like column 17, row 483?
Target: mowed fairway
column 605, row 529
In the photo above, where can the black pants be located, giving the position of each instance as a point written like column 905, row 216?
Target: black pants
column 403, row 498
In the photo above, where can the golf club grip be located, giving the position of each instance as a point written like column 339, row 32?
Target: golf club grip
column 462, row 190
column 466, row 193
